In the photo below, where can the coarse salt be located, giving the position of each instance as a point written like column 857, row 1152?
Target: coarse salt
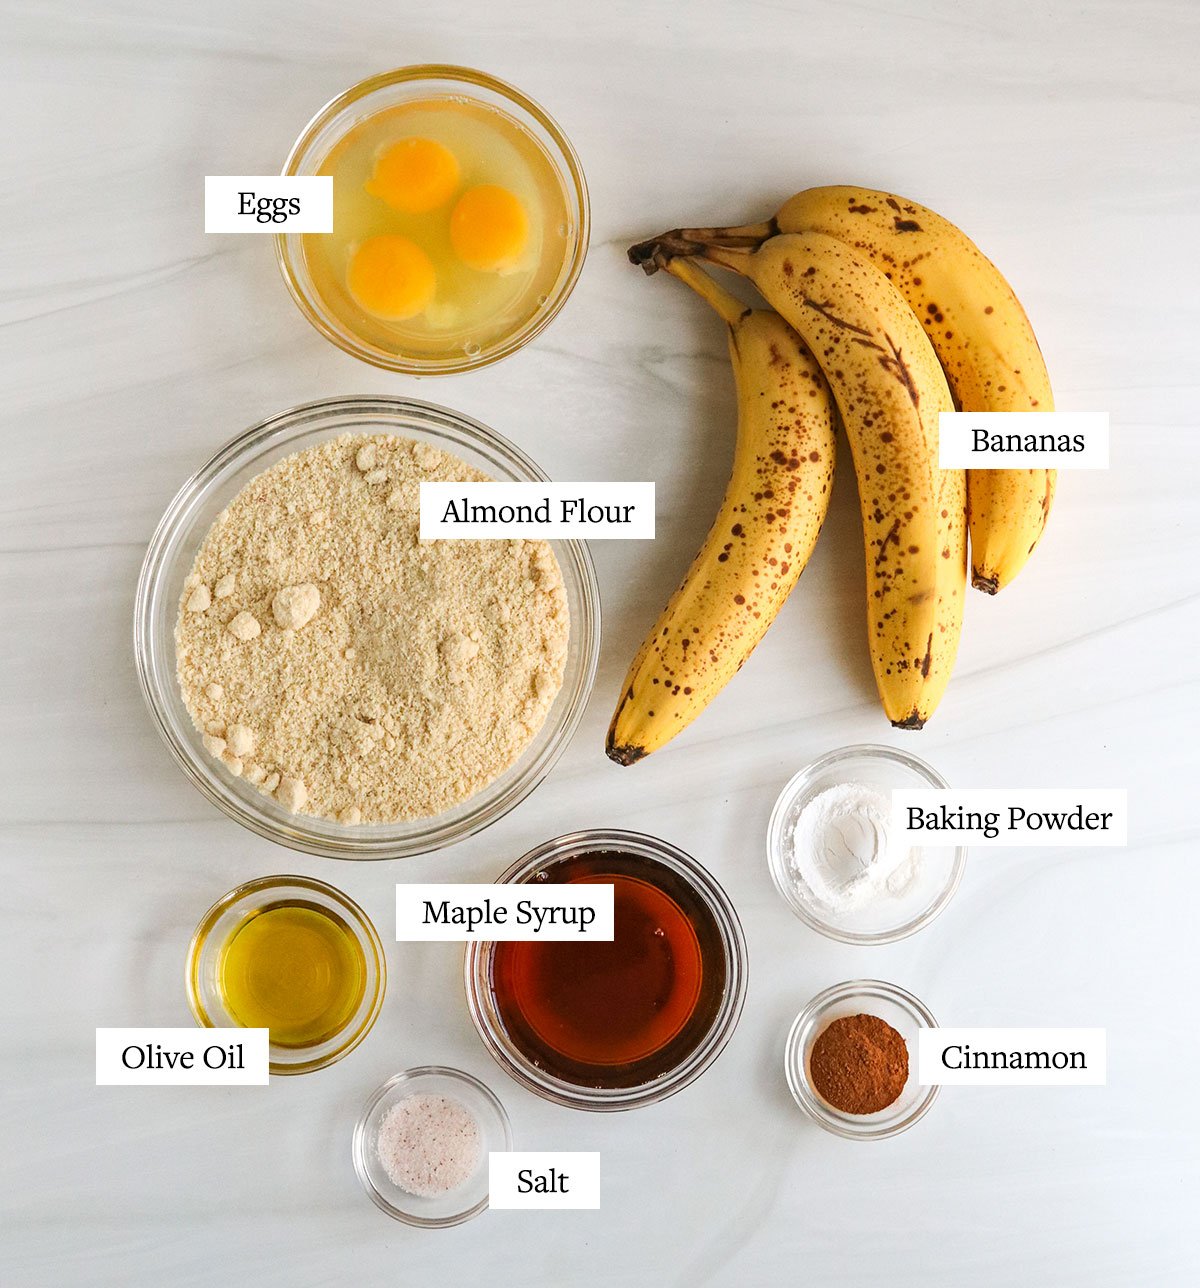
column 429, row 1144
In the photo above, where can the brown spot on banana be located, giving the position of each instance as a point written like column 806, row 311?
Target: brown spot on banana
column 826, row 311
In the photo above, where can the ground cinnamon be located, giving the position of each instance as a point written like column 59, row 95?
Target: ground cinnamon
column 859, row 1064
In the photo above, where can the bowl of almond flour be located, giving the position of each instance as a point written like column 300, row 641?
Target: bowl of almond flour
column 328, row 679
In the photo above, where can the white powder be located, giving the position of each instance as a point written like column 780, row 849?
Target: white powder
column 429, row 1144
column 844, row 851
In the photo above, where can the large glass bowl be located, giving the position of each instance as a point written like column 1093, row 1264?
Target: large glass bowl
column 169, row 560
column 387, row 90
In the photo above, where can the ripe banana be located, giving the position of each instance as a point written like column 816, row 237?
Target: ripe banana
column 762, row 537
column 889, row 390
column 978, row 328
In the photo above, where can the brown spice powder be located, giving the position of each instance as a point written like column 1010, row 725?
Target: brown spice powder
column 859, row 1064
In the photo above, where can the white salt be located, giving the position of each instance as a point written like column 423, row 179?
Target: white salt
column 429, row 1145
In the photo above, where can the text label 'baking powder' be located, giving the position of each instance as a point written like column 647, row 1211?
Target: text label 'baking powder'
column 1034, row 816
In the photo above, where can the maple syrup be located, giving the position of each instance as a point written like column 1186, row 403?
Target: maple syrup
column 620, row 1013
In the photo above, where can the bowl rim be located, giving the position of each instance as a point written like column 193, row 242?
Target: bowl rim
column 365, row 932
column 777, row 865
column 286, row 244
column 809, row 1020
column 574, row 557
column 358, row 1143
column 480, row 1004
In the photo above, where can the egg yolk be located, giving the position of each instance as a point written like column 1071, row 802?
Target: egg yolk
column 391, row 277
column 489, row 228
column 415, row 176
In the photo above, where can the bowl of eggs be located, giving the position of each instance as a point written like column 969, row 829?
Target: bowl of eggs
column 460, row 220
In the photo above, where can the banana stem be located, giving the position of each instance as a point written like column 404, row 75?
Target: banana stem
column 751, row 236
column 657, row 252
column 734, row 257
column 727, row 305
column 685, row 243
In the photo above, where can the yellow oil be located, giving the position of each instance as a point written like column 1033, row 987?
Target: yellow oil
column 294, row 968
column 471, row 309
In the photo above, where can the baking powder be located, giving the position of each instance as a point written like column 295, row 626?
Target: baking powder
column 844, row 851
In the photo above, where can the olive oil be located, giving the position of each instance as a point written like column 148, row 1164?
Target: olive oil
column 620, row 1013
column 295, row 968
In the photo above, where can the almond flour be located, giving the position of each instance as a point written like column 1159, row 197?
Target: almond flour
column 333, row 659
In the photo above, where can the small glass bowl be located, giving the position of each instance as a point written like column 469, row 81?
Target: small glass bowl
column 204, row 952
column 860, row 997
column 884, row 920
column 482, row 1004
column 439, row 1210
column 388, row 90
column 169, row 560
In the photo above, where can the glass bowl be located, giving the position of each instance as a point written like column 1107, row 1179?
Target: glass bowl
column 387, row 90
column 169, row 560
column 204, row 996
column 860, row 997
column 457, row 1205
column 882, row 921
column 484, row 1011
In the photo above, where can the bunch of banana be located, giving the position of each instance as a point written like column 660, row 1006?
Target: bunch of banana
column 973, row 319
column 762, row 537
column 889, row 389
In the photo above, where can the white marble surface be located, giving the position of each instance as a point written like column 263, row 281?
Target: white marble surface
column 1063, row 136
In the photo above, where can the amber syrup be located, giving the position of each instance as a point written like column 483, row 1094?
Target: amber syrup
column 620, row 1013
